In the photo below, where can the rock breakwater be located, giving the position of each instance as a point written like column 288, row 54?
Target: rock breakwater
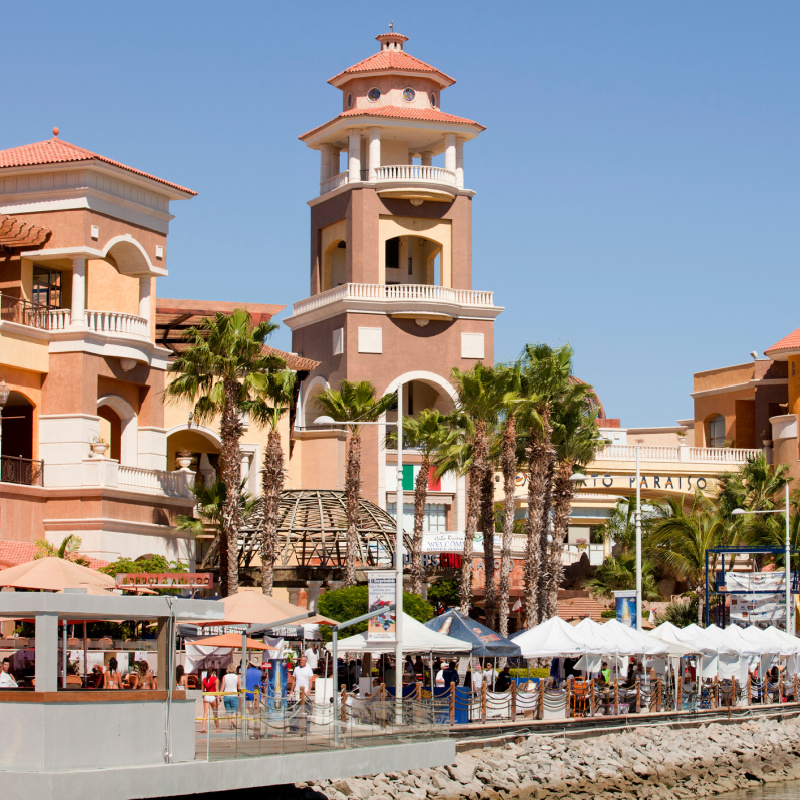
column 644, row 762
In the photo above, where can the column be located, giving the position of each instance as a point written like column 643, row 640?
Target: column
column 163, row 646
column 450, row 152
column 426, row 158
column 46, row 669
column 354, row 156
column 78, row 309
column 313, row 591
column 294, row 596
column 374, row 152
column 459, row 162
column 335, row 152
column 145, row 283
column 325, row 167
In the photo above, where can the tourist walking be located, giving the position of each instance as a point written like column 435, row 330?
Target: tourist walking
column 301, row 682
column 253, row 685
column 210, row 700
column 230, row 698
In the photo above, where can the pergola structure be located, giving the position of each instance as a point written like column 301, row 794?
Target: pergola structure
column 312, row 535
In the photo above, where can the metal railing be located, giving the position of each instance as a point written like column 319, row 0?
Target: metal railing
column 24, row 471
column 23, row 312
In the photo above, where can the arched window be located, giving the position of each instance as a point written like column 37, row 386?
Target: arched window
column 716, row 431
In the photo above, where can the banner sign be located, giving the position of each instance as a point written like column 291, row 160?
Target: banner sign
column 165, row 580
column 764, row 600
column 626, row 608
column 382, row 585
column 449, row 542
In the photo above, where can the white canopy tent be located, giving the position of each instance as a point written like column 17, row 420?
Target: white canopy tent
column 556, row 639
column 793, row 659
column 416, row 639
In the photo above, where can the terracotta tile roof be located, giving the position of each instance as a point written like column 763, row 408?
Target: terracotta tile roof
column 293, row 361
column 13, row 553
column 57, row 151
column 576, row 608
column 790, row 342
column 392, row 60
column 397, row 112
column 20, row 233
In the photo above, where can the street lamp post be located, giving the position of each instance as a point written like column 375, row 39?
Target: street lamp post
column 637, row 518
column 787, row 556
column 398, row 547
column 4, row 392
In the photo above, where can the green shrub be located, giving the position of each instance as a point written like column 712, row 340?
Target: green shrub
column 522, row 672
column 353, row 601
column 608, row 613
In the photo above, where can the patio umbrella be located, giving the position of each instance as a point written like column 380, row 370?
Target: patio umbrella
column 52, row 574
column 255, row 608
column 232, row 640
column 485, row 642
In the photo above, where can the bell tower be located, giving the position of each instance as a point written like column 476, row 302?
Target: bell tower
column 390, row 295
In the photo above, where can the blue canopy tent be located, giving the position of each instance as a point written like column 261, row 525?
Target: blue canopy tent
column 485, row 642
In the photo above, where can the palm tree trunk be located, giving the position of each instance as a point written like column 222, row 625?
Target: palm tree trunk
column 562, row 508
column 272, row 485
column 539, row 471
column 545, row 612
column 353, row 491
column 487, row 526
column 420, row 496
column 230, row 432
column 474, row 480
column 509, row 467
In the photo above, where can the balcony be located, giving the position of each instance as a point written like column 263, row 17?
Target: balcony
column 420, row 301
column 406, row 181
column 23, row 471
column 692, row 455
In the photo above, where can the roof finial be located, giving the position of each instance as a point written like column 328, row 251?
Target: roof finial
column 55, row 131
column 391, row 25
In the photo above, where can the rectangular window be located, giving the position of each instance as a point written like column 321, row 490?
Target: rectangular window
column 46, row 289
column 435, row 516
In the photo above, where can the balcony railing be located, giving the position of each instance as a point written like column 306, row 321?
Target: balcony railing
column 105, row 322
column 156, row 481
column 23, row 312
column 395, row 173
column 401, row 292
column 717, row 455
column 24, row 471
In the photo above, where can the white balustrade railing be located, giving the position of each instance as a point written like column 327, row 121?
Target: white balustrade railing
column 156, row 481
column 416, row 172
column 401, row 292
column 59, row 319
column 117, row 322
column 334, row 183
column 723, row 455
column 718, row 455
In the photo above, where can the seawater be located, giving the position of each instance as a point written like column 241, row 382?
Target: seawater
column 768, row 791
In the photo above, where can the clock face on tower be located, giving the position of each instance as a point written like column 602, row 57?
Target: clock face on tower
column 374, row 94
column 409, row 94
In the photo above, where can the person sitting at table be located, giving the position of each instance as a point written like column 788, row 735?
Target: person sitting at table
column 419, row 666
column 133, row 677
column 147, row 677
column 181, row 681
column 6, row 678
column 96, row 678
column 111, row 677
column 504, row 680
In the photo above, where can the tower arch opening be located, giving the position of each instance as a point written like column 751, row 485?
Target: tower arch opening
column 412, row 259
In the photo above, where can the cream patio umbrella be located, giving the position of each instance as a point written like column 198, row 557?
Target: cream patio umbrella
column 53, row 574
column 256, row 608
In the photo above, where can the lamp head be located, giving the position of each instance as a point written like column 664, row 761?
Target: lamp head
column 4, row 392
column 738, row 511
column 577, row 477
column 325, row 420
column 754, row 355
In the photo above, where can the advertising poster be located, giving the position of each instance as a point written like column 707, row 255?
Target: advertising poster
column 626, row 608
column 381, row 594
column 762, row 599
column 277, row 679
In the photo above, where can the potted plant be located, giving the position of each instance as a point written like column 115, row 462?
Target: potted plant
column 184, row 459
column 765, row 440
column 582, row 544
column 99, row 446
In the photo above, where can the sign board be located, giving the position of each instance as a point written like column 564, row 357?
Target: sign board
column 449, row 542
column 763, row 598
column 381, row 584
column 626, row 608
column 165, row 580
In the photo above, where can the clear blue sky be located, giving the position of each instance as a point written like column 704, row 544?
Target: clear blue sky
column 637, row 184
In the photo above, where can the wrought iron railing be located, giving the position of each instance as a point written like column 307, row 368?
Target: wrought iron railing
column 23, row 312
column 25, row 471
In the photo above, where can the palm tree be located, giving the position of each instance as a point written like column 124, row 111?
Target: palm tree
column 545, row 379
column 619, row 574
column 276, row 393
column 431, row 434
column 68, row 550
column 754, row 487
column 355, row 402
column 478, row 406
column 210, row 502
column 216, row 372
column 680, row 541
column 577, row 440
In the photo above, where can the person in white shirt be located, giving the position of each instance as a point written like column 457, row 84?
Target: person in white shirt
column 303, row 678
column 231, row 686
column 477, row 678
column 490, row 676
column 312, row 657
column 6, row 678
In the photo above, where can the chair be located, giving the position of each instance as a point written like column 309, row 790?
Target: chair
column 6, row 644
column 580, row 698
column 192, row 681
column 20, row 643
column 74, row 680
column 105, row 643
column 73, row 643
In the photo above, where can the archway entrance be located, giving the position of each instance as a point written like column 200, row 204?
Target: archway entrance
column 204, row 448
column 17, row 430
